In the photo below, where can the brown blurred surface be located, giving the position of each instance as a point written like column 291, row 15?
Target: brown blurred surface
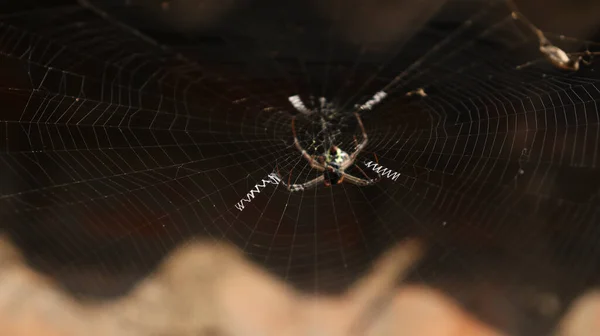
column 210, row 289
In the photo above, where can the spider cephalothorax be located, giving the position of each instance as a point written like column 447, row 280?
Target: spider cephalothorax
column 333, row 163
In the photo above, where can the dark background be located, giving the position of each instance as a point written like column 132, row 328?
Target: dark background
column 129, row 127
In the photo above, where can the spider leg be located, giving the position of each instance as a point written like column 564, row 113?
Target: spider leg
column 528, row 64
column 543, row 41
column 586, row 62
column 359, row 147
column 590, row 56
column 517, row 15
column 364, row 150
column 314, row 164
column 356, row 145
column 359, row 181
column 301, row 186
column 305, row 186
column 279, row 174
column 363, row 172
column 376, row 160
column 572, row 66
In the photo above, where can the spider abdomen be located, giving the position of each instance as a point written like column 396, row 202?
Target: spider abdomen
column 333, row 176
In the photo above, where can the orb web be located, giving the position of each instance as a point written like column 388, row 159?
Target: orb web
column 119, row 142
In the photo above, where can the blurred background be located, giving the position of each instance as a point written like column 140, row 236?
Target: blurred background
column 128, row 127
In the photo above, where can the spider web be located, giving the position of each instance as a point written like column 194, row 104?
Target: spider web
column 118, row 142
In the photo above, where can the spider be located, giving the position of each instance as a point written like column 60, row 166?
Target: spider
column 333, row 163
column 552, row 53
column 558, row 57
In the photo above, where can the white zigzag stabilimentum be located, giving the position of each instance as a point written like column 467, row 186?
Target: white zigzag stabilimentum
column 382, row 170
column 273, row 179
